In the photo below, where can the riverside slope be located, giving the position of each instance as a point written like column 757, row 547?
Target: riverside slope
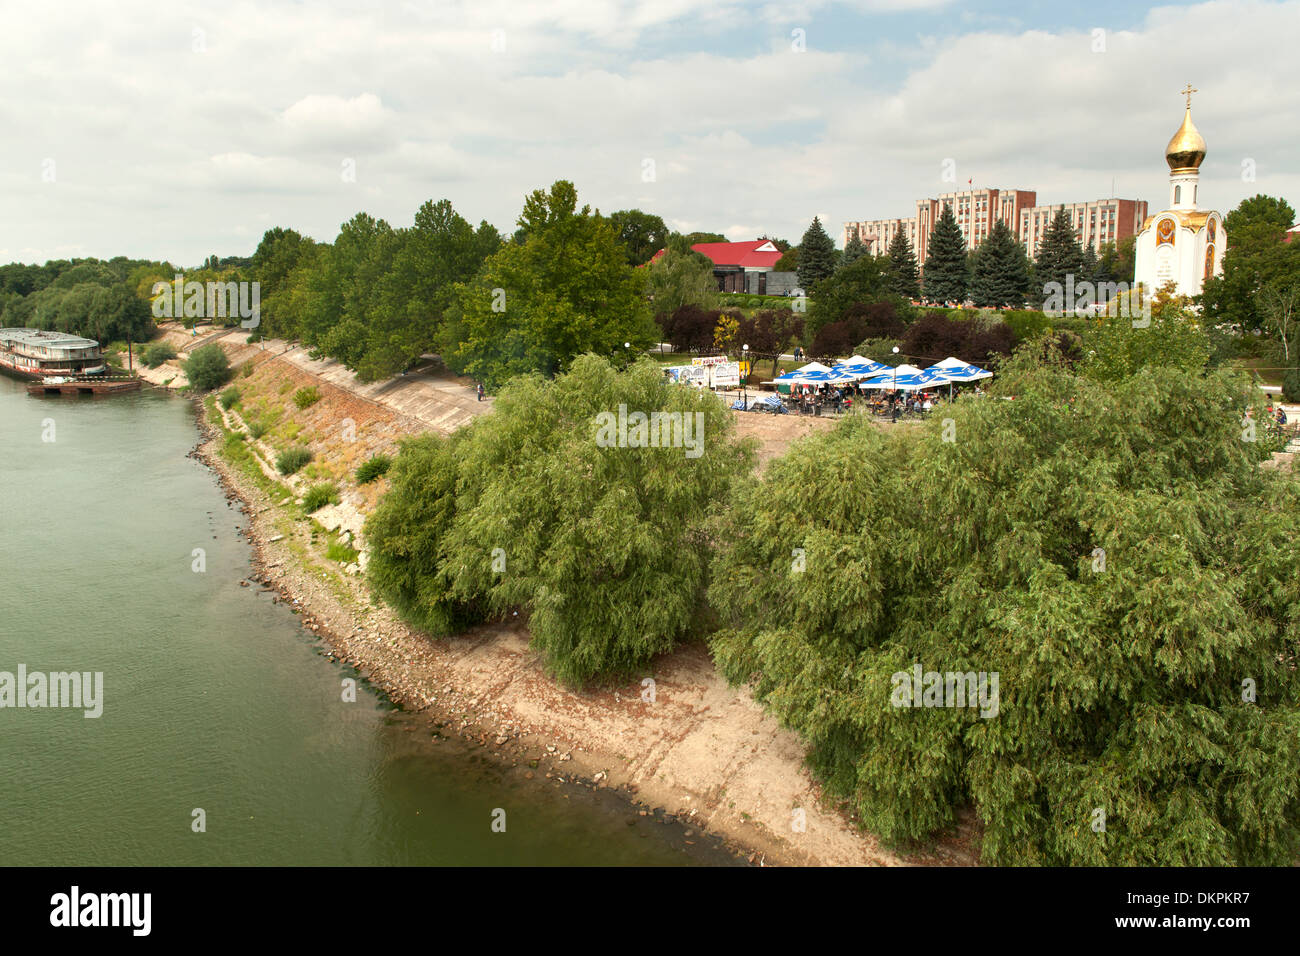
column 702, row 751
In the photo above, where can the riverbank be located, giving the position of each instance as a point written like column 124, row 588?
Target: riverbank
column 700, row 752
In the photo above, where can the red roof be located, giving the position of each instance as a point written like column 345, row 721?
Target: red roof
column 758, row 254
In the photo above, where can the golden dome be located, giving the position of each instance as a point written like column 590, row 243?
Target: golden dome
column 1186, row 151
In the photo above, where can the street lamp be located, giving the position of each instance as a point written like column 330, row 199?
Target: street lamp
column 893, row 395
column 744, row 382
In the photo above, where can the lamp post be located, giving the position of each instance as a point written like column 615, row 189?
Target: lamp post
column 893, row 394
column 744, row 382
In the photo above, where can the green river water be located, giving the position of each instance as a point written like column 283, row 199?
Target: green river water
column 214, row 697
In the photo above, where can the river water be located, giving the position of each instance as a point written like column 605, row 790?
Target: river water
column 216, row 699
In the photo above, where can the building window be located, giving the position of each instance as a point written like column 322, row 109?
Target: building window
column 1178, row 194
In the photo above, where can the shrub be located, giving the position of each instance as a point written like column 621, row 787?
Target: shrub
column 603, row 543
column 1119, row 682
column 155, row 353
column 292, row 459
column 246, row 369
column 372, row 468
column 256, row 429
column 306, row 396
column 1291, row 385
column 229, row 396
column 318, row 496
column 207, row 367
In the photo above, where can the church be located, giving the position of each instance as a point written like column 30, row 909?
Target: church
column 1183, row 244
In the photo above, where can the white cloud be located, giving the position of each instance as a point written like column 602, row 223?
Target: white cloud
column 164, row 151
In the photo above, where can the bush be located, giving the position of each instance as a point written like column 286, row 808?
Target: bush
column 307, row 396
column 1291, row 385
column 292, row 459
column 256, row 429
column 372, row 468
column 318, row 496
column 207, row 367
column 229, row 396
column 155, row 353
column 1110, row 553
column 246, row 369
column 540, row 508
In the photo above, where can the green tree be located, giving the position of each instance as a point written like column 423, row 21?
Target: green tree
column 1000, row 270
column 207, row 367
column 1255, row 258
column 1110, row 554
column 641, row 233
column 945, row 261
column 864, row 283
column 816, row 255
column 902, row 263
column 853, row 251
column 1121, row 346
column 676, row 279
column 1059, row 257
column 602, row 541
column 535, row 306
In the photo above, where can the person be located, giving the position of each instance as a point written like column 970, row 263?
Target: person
column 1281, row 415
column 927, row 405
column 480, row 391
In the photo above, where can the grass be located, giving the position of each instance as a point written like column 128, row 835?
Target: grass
column 318, row 496
column 373, row 467
column 229, row 396
column 306, row 396
column 292, row 459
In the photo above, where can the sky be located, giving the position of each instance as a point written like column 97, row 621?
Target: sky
column 178, row 130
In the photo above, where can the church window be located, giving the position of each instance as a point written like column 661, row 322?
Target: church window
column 1178, row 195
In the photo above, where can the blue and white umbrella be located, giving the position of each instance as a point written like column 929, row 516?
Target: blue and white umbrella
column 958, row 371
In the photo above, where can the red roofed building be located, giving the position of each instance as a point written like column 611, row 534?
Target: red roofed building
column 739, row 266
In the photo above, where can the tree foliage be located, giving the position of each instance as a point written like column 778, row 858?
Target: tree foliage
column 946, row 275
column 1000, row 270
column 1059, row 257
column 902, row 264
column 864, row 283
column 1120, row 670
column 602, row 547
column 535, row 306
column 207, row 367
column 817, row 255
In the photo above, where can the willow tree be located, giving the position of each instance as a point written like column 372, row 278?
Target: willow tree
column 1107, row 551
column 580, row 502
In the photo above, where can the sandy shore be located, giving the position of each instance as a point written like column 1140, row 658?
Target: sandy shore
column 696, row 750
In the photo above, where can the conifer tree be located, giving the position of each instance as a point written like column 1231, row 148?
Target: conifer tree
column 1000, row 272
column 945, row 262
column 816, row 255
column 853, row 251
column 1059, row 257
column 902, row 263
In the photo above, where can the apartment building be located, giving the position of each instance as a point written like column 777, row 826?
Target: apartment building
column 976, row 211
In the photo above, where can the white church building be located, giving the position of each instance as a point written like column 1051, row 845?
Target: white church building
column 1183, row 244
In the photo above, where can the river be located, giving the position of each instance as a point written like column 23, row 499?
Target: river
column 214, row 698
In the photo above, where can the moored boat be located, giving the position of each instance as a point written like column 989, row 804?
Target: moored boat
column 37, row 353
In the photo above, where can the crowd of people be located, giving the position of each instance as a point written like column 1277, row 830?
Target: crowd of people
column 834, row 399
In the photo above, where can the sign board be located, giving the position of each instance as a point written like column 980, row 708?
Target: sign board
column 689, row 374
column 709, row 360
column 726, row 375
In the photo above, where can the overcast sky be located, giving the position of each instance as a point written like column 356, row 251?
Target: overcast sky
column 177, row 130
